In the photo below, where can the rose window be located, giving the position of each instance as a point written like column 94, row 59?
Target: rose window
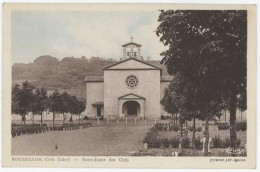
column 131, row 81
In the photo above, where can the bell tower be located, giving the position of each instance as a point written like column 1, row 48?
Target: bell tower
column 132, row 50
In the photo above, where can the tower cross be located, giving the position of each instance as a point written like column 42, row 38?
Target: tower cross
column 132, row 38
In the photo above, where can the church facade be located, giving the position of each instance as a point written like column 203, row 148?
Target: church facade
column 131, row 87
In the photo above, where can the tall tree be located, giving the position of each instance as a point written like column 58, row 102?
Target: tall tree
column 80, row 108
column 208, row 48
column 55, row 104
column 40, row 101
column 22, row 99
column 65, row 104
column 16, row 91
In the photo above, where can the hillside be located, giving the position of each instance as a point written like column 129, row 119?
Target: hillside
column 67, row 74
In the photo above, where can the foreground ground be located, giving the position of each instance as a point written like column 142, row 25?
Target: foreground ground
column 98, row 140
column 103, row 139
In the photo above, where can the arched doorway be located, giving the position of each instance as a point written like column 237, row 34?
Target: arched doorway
column 131, row 108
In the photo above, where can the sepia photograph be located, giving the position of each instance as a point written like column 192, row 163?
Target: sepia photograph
column 109, row 81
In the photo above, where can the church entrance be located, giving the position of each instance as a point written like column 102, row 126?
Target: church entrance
column 98, row 111
column 131, row 108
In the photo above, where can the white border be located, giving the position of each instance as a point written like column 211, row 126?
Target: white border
column 142, row 1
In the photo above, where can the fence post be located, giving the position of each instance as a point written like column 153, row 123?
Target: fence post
column 154, row 120
column 107, row 121
column 126, row 121
column 135, row 120
column 117, row 121
column 98, row 121
column 145, row 121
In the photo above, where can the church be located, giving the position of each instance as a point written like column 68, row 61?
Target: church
column 130, row 88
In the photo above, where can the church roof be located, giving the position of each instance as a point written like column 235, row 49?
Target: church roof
column 138, row 45
column 141, row 61
column 94, row 79
column 131, row 96
column 165, row 77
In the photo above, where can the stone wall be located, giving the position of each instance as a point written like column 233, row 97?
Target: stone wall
column 95, row 93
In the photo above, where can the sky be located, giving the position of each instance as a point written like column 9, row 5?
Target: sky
column 89, row 33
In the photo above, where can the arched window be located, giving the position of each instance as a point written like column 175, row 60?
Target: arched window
column 128, row 52
column 135, row 52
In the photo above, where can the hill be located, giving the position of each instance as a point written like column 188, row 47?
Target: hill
column 67, row 74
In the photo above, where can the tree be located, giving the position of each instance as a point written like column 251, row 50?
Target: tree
column 40, row 101
column 22, row 99
column 16, row 91
column 73, row 106
column 242, row 103
column 65, row 104
column 208, row 48
column 55, row 104
column 179, row 97
column 81, row 108
column 182, row 97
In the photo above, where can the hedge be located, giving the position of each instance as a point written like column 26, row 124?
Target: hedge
column 37, row 128
column 223, row 143
column 241, row 126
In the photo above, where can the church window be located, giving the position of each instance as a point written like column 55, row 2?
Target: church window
column 131, row 81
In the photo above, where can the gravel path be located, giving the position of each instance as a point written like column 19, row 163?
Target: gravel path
column 102, row 140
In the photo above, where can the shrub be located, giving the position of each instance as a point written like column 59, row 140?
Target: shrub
column 85, row 118
column 198, row 144
column 60, row 128
column 163, row 117
column 102, row 117
column 223, row 143
column 23, row 129
column 199, row 129
column 223, row 126
column 151, row 138
column 241, row 126
column 166, row 142
column 226, row 143
column 165, row 127
column 217, row 142
column 186, row 142
column 173, row 128
column 175, row 142
column 160, row 127
column 35, row 128
column 190, row 128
